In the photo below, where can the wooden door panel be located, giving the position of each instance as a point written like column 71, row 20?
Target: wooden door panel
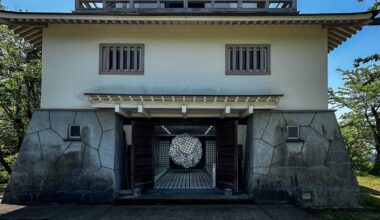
column 142, row 155
column 227, row 161
column 144, row 162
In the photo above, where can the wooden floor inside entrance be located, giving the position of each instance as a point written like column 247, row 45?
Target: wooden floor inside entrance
column 185, row 179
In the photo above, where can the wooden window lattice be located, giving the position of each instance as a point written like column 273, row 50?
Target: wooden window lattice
column 122, row 58
column 247, row 59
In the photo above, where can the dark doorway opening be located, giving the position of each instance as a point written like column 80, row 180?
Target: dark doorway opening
column 151, row 167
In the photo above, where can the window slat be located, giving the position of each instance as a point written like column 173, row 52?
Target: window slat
column 104, row 58
column 114, row 67
column 107, row 59
column 121, row 59
column 230, row 59
column 135, row 61
column 118, row 52
column 142, row 59
column 258, row 59
column 132, row 58
column 251, row 58
column 265, row 59
column 262, row 67
column 241, row 59
column 128, row 59
column 139, row 59
column 254, row 59
column 234, row 59
column 247, row 59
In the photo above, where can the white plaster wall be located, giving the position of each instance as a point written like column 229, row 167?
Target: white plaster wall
column 186, row 59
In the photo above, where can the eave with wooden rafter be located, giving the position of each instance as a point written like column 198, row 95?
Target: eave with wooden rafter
column 186, row 106
column 340, row 26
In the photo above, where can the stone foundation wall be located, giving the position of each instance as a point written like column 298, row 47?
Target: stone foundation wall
column 51, row 168
column 318, row 165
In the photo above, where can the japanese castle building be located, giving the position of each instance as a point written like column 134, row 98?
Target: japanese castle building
column 121, row 79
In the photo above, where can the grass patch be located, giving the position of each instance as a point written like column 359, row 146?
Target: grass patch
column 370, row 186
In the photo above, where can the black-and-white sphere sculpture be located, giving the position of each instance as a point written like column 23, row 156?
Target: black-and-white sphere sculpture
column 186, row 150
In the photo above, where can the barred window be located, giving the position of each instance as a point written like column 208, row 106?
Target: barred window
column 122, row 58
column 247, row 59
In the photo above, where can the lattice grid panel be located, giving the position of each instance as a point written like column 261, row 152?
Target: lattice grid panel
column 210, row 152
column 162, row 153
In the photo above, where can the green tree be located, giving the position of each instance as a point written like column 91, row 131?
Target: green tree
column 361, row 96
column 20, row 82
column 360, row 147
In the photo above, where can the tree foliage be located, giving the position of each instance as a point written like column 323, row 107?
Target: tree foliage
column 359, row 140
column 361, row 97
column 20, row 83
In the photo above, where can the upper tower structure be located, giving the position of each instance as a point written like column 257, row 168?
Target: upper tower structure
column 187, row 6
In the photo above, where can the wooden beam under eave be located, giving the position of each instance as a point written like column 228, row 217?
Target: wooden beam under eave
column 330, row 38
column 32, row 34
column 341, row 33
column 333, row 42
column 16, row 28
column 332, row 46
column 36, row 41
column 336, row 36
column 23, row 30
column 355, row 29
column 347, row 31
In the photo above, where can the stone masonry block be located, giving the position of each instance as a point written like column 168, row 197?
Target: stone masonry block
column 71, row 158
column 298, row 119
column 91, row 131
column 91, row 161
column 52, row 145
column 325, row 123
column 262, row 154
column 315, row 147
column 107, row 119
column 40, row 121
column 275, row 132
column 60, row 121
column 30, row 151
column 260, row 121
column 107, row 149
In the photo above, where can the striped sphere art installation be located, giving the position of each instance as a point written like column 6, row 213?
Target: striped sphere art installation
column 186, row 151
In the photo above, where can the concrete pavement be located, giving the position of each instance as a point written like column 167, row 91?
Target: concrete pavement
column 193, row 212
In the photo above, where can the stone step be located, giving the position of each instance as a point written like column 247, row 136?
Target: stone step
column 125, row 192
column 184, row 197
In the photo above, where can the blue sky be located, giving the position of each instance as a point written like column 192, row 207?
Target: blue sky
column 363, row 44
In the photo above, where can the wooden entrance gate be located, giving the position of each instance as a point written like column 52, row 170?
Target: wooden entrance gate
column 227, row 163
column 142, row 174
